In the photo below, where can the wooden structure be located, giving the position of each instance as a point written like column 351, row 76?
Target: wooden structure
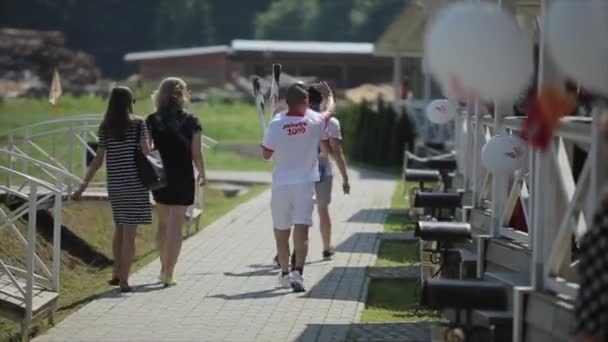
column 343, row 64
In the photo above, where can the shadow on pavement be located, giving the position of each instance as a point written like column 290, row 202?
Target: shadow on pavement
column 253, row 295
column 368, row 332
column 341, row 283
column 362, row 242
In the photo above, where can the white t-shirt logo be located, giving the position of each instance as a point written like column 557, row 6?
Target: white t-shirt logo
column 295, row 141
column 295, row 128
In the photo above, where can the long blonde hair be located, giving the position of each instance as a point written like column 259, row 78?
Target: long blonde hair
column 171, row 93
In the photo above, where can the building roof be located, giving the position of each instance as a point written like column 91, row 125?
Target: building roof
column 242, row 45
column 302, row 46
column 158, row 54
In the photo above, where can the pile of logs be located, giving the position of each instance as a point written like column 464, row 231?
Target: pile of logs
column 28, row 58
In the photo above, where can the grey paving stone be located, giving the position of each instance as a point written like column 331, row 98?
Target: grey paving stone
column 227, row 283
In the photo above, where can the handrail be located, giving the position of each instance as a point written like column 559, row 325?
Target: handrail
column 570, row 127
column 63, row 173
column 71, row 119
column 35, row 180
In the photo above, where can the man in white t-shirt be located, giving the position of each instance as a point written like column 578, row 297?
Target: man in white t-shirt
column 332, row 142
column 292, row 139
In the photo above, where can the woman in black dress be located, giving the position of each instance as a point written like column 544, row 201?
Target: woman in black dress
column 119, row 136
column 176, row 134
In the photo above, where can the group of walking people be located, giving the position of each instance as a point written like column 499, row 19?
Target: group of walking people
column 176, row 135
column 300, row 140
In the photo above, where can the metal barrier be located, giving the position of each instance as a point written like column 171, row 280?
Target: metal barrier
column 558, row 204
column 27, row 295
column 42, row 164
column 65, row 143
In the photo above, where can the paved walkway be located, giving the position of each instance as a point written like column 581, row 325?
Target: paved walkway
column 227, row 285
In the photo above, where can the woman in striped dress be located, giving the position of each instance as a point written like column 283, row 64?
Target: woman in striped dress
column 119, row 135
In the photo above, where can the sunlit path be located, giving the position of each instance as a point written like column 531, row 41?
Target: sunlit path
column 227, row 285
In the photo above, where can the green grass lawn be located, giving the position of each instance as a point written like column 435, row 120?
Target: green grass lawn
column 391, row 300
column 235, row 123
column 82, row 282
column 227, row 160
column 397, row 253
column 395, row 300
column 399, row 220
column 229, row 123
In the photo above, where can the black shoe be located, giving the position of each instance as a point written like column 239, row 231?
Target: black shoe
column 114, row 282
column 125, row 288
column 328, row 254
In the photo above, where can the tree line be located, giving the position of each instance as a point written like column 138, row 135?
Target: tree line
column 376, row 134
column 110, row 28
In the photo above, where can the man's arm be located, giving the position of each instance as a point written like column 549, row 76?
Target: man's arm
column 338, row 154
column 267, row 153
column 268, row 146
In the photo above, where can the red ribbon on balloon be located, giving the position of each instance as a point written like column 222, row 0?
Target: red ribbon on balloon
column 544, row 114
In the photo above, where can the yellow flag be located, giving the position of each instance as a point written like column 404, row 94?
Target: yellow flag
column 55, row 91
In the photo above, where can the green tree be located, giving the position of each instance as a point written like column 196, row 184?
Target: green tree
column 232, row 24
column 109, row 29
column 288, row 20
column 325, row 20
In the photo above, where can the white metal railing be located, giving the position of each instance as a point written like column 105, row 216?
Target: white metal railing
column 427, row 131
column 64, row 143
column 61, row 178
column 556, row 205
column 36, row 193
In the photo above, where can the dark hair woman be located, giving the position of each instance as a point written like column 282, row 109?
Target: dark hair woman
column 119, row 135
column 177, row 136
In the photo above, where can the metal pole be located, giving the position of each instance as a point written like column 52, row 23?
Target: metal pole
column 58, row 219
column 540, row 178
column 597, row 163
column 476, row 167
column 11, row 142
column 26, row 149
column 31, row 249
column 71, row 142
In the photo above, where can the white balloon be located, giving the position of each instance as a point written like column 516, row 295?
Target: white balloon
column 481, row 47
column 577, row 34
column 440, row 111
column 504, row 154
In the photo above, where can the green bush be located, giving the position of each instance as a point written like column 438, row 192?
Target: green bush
column 376, row 135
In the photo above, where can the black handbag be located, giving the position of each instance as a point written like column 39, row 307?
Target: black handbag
column 150, row 170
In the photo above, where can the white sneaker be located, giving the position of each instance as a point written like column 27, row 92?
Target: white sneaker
column 284, row 280
column 297, row 281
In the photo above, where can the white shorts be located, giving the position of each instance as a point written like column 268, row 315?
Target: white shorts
column 292, row 204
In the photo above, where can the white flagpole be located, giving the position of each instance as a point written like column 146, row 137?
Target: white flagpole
column 259, row 101
column 274, row 88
